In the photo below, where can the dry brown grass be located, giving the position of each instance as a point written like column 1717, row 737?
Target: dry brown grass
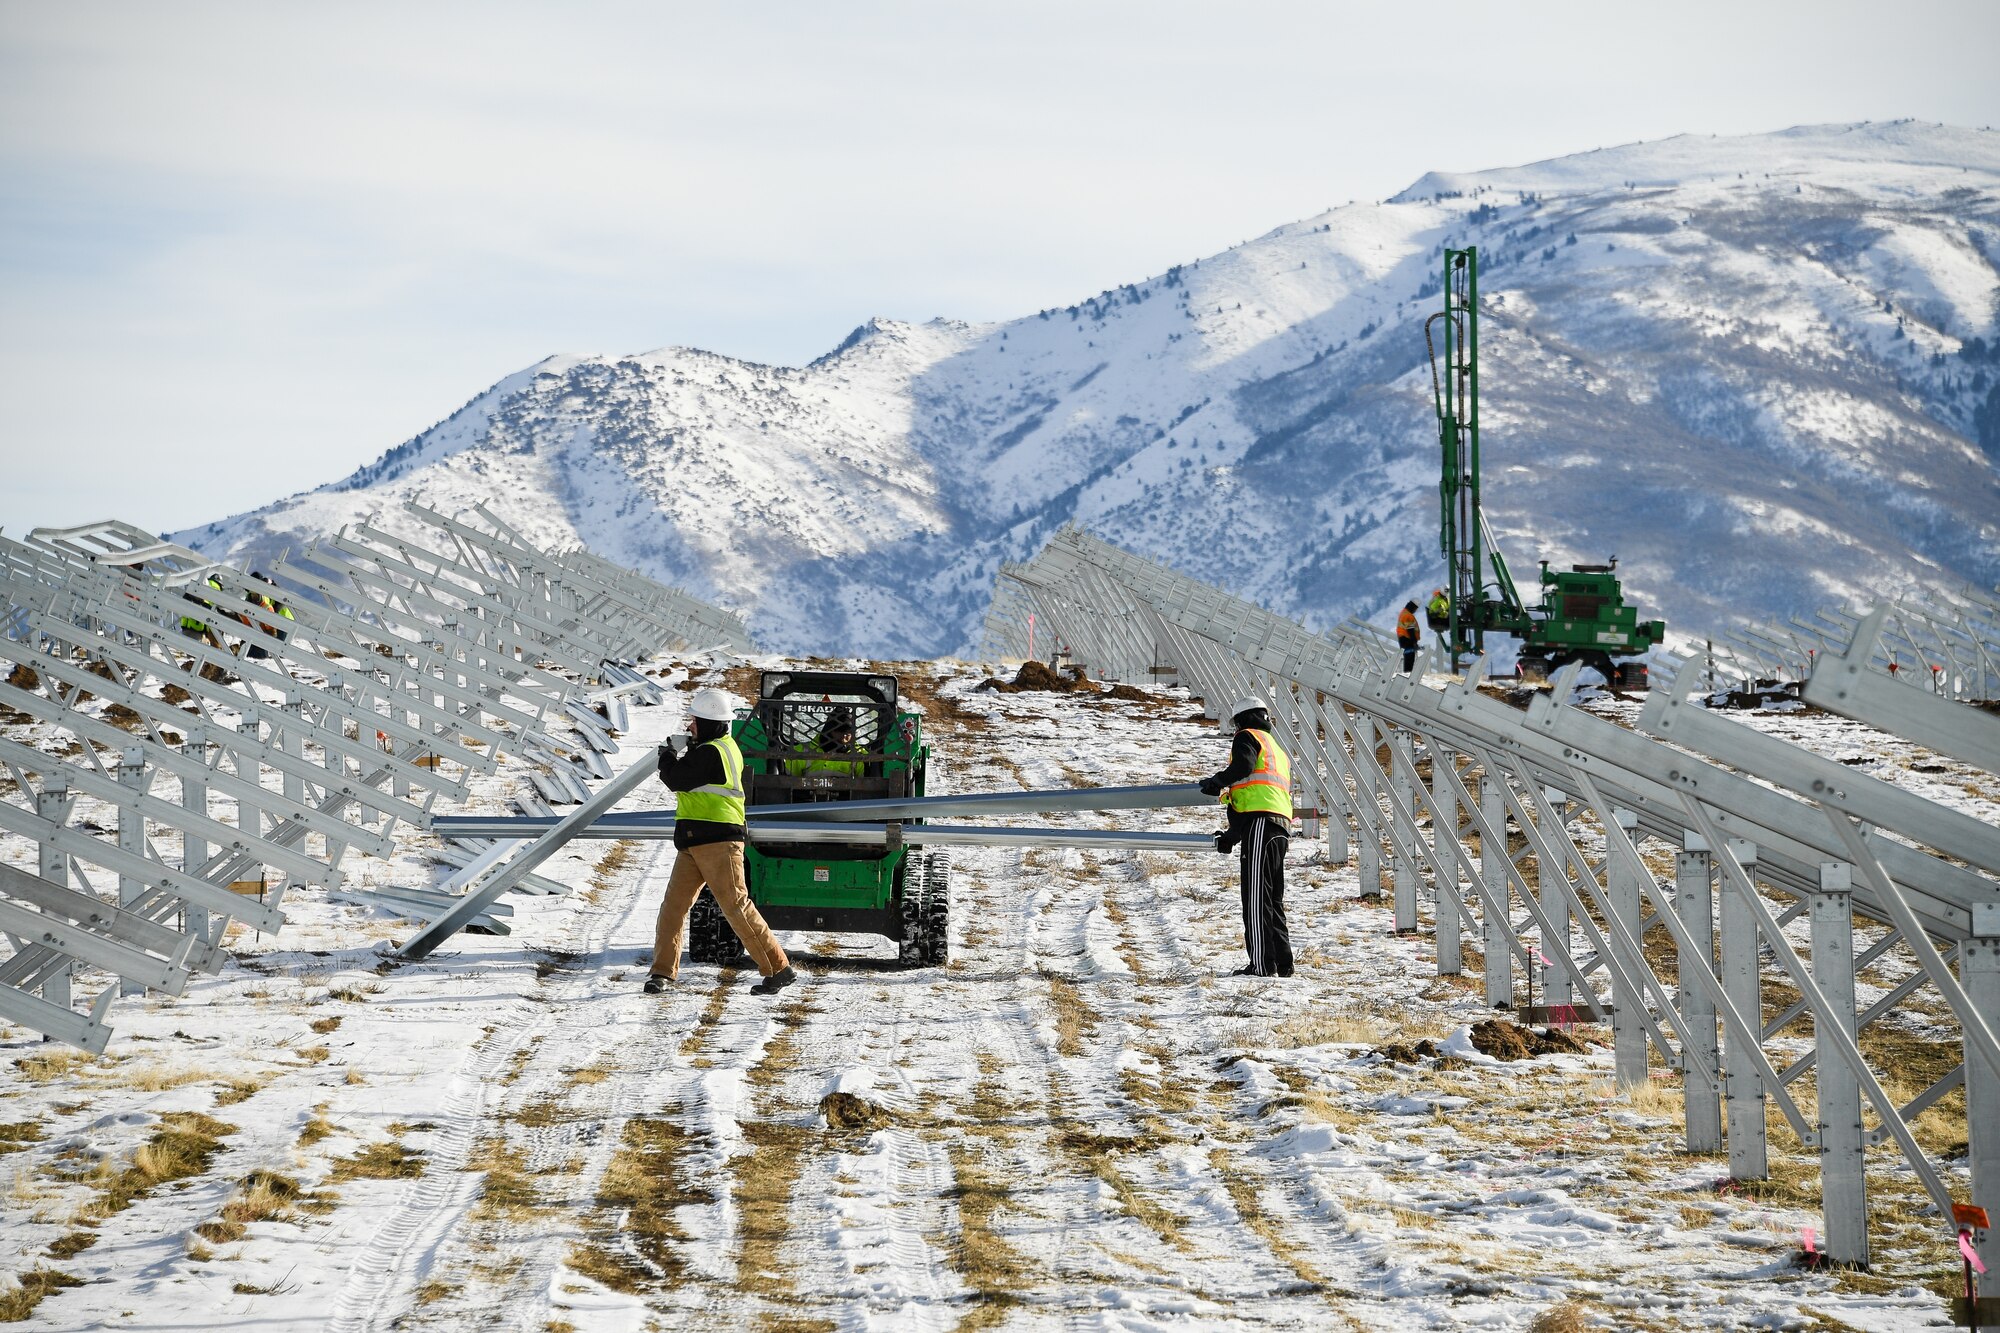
column 595, row 1072
column 542, row 1112
column 161, row 1078
column 234, row 1090
column 645, row 1181
column 17, row 1135
column 181, row 1147
column 35, row 1286
column 322, row 1026
column 264, row 1196
column 380, row 1161
column 317, row 1127
column 54, row 1064
column 695, row 1047
column 1907, row 1064
column 1569, row 1317
column 1317, row 1027
column 435, row 1290
column 1661, row 1097
column 990, row 1265
column 75, row 1243
column 766, row 1177
column 508, row 1190
column 605, row 874
column 1076, row 1021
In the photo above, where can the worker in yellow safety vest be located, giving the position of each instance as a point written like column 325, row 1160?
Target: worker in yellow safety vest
column 705, row 773
column 278, row 610
column 836, row 738
column 1438, row 610
column 195, row 627
column 1256, row 786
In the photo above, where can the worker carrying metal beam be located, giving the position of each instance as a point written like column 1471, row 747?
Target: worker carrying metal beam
column 1256, row 786
column 707, row 779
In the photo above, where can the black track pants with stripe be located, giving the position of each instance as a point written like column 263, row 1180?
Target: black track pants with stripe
column 1266, row 938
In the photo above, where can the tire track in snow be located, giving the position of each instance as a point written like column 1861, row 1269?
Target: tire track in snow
column 383, row 1278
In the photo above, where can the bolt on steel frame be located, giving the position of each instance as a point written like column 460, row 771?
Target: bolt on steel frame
column 1451, row 794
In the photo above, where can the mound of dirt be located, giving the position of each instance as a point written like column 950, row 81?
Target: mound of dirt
column 23, row 677
column 1132, row 692
column 844, row 1110
column 995, row 685
column 1510, row 1041
column 1035, row 675
column 1402, row 1053
column 174, row 694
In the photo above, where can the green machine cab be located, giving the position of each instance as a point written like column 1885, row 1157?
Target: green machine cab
column 901, row 893
column 1583, row 616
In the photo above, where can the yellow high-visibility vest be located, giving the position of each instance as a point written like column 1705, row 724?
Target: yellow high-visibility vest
column 718, row 803
column 1269, row 786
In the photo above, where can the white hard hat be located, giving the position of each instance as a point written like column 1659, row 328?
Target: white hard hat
column 1249, row 703
column 713, row 705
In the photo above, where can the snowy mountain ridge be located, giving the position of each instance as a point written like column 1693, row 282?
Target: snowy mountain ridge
column 1761, row 370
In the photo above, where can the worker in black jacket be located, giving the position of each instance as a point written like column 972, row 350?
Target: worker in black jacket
column 1257, row 788
column 706, row 778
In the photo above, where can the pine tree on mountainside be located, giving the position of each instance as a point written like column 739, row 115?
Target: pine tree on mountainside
column 1986, row 423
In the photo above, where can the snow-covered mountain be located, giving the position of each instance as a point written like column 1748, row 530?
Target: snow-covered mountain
column 1763, row 371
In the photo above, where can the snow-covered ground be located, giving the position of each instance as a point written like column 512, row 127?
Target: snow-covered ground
column 1082, row 1122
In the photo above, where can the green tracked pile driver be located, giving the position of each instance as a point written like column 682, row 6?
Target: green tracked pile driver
column 1582, row 616
column 789, row 758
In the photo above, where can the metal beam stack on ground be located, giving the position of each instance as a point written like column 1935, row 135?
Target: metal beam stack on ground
column 231, row 775
column 1599, row 868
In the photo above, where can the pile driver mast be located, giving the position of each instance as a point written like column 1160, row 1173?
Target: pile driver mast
column 1582, row 615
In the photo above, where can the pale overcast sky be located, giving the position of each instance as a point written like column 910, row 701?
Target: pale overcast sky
column 246, row 247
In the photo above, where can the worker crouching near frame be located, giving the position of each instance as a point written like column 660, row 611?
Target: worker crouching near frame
column 1257, row 788
column 707, row 779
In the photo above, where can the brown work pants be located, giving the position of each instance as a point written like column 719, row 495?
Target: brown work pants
column 720, row 866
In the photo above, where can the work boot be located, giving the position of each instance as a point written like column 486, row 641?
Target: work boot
column 656, row 984
column 1247, row 970
column 776, row 982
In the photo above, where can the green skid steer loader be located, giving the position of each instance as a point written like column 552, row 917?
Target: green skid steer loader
column 901, row 893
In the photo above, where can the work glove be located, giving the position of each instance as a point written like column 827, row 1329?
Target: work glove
column 677, row 744
column 1210, row 787
column 1224, row 843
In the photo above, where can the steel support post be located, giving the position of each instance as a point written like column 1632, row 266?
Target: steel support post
column 1340, row 837
column 1552, row 880
column 1744, row 1087
column 1493, row 862
column 1406, row 869
column 194, row 848
column 1842, row 1185
column 1694, row 899
column 52, row 804
column 1368, row 814
column 1444, row 824
column 1622, row 890
column 131, row 772
column 1979, row 968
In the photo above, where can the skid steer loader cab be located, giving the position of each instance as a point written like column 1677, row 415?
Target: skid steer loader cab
column 790, row 757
